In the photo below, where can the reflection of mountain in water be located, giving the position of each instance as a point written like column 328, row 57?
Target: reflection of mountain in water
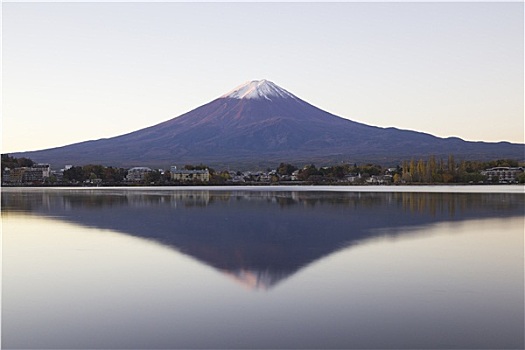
column 259, row 238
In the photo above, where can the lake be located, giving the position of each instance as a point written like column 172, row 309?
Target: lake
column 263, row 267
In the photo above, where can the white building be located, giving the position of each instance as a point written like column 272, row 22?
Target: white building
column 45, row 168
column 504, row 174
column 184, row 175
column 137, row 173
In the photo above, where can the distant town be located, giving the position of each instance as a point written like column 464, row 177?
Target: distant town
column 25, row 172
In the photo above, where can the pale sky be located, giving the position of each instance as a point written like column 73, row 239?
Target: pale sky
column 73, row 72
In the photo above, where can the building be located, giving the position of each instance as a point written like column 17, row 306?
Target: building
column 379, row 179
column 184, row 175
column 35, row 173
column 44, row 168
column 137, row 173
column 503, row 174
column 6, row 175
column 14, row 175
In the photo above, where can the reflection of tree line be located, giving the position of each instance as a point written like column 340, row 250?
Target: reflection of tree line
column 259, row 237
column 417, row 203
column 457, row 203
column 430, row 203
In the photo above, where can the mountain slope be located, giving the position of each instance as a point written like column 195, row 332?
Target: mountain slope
column 260, row 123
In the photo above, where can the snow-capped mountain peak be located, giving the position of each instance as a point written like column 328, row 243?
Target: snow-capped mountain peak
column 258, row 89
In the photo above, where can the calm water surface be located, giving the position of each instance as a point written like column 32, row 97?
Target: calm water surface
column 262, row 268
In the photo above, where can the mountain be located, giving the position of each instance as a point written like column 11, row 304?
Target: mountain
column 262, row 124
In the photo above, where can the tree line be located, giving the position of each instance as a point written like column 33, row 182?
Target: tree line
column 12, row 162
column 432, row 170
column 429, row 171
column 91, row 172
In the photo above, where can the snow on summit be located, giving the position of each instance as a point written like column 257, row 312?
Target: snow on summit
column 258, row 89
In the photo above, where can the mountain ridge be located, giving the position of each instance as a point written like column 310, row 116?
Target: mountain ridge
column 260, row 124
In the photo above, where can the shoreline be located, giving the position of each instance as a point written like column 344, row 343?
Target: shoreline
column 514, row 189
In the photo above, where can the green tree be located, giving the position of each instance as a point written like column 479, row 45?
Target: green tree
column 12, row 162
column 51, row 180
column 307, row 172
column 152, row 178
column 75, row 173
column 286, row 169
